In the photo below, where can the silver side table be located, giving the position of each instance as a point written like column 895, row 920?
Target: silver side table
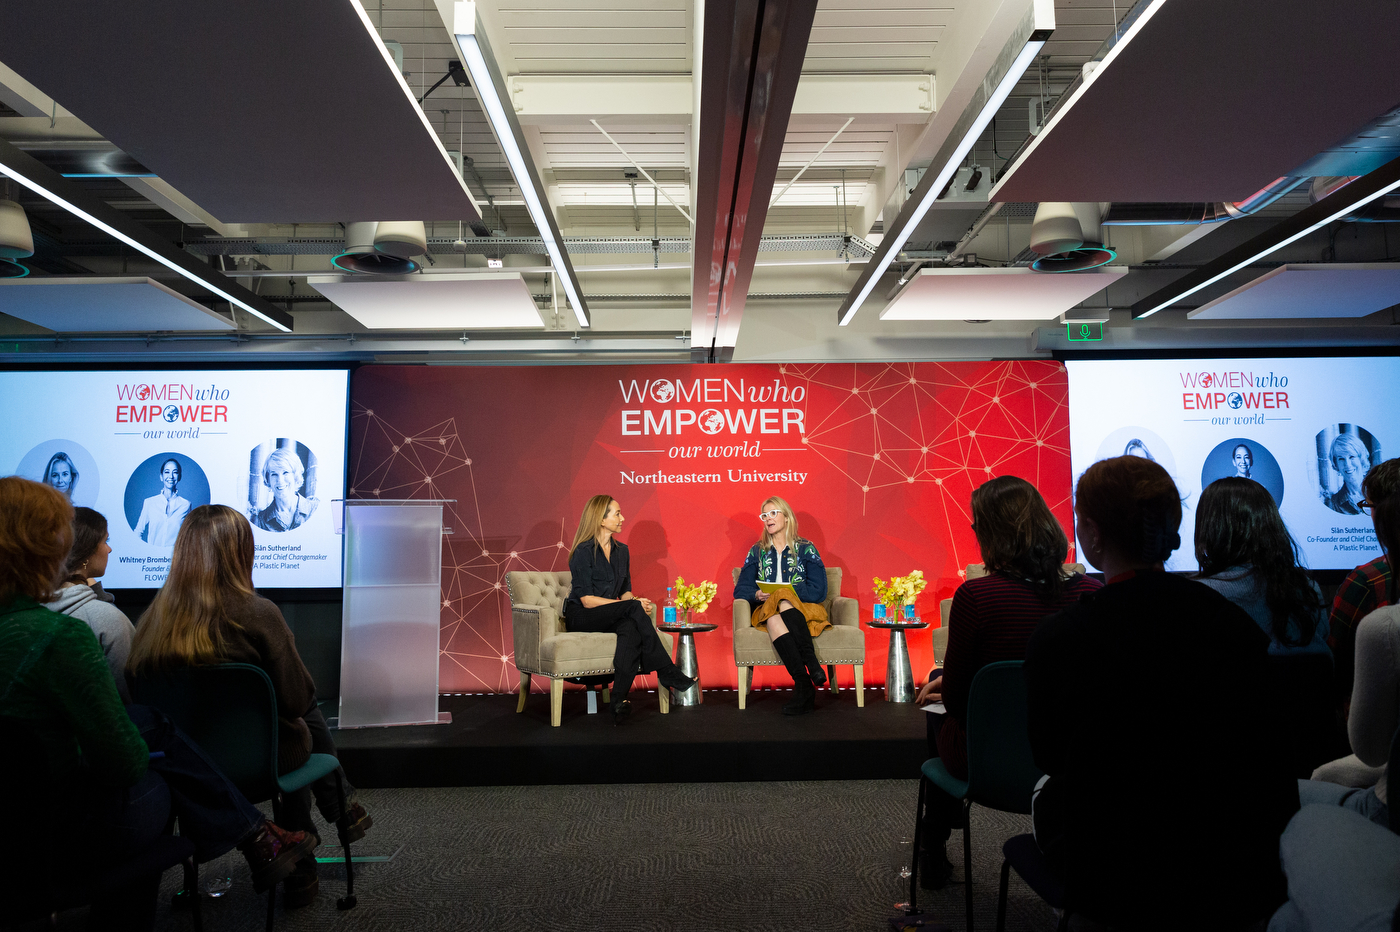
column 686, row 660
column 899, row 676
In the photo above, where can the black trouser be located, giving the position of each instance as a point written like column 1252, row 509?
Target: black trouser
column 296, row 806
column 942, row 813
column 639, row 650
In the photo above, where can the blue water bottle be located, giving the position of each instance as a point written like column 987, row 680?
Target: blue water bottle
column 668, row 613
column 879, row 611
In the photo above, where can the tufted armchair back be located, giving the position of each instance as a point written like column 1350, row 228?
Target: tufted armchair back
column 537, row 611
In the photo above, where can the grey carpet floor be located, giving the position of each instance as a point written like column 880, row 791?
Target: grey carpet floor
column 634, row 858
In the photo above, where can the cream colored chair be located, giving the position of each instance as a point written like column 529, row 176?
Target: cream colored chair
column 843, row 642
column 544, row 648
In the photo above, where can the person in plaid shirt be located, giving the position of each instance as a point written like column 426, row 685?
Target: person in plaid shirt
column 1366, row 588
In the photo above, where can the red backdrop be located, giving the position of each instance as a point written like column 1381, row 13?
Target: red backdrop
column 878, row 461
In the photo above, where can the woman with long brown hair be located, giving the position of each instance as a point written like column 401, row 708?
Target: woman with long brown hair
column 111, row 776
column 794, row 614
column 992, row 619
column 207, row 613
column 601, row 599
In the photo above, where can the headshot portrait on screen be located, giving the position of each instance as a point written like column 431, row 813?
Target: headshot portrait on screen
column 62, row 474
column 1243, row 458
column 162, row 513
column 285, row 477
column 1348, row 458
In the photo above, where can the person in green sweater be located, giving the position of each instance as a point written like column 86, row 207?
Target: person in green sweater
column 113, row 775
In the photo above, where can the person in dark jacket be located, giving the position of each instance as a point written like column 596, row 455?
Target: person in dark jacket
column 1166, row 789
column 208, row 613
column 601, row 599
column 794, row 611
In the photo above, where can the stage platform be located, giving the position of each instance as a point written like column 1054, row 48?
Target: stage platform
column 488, row 744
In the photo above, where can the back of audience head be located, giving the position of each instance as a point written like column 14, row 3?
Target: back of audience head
column 1018, row 534
column 1237, row 524
column 1382, row 489
column 89, row 534
column 212, row 562
column 1132, row 510
column 36, row 533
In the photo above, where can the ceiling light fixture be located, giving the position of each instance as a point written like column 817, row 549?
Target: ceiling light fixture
column 1340, row 203
column 470, row 40
column 932, row 185
column 48, row 193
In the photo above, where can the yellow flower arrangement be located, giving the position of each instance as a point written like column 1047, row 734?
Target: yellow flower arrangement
column 900, row 590
column 694, row 598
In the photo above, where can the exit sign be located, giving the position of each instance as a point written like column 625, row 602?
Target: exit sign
column 1084, row 332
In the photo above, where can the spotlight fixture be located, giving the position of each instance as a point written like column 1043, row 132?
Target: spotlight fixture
column 933, row 185
column 9, row 268
column 1340, row 203
column 456, row 72
column 470, row 39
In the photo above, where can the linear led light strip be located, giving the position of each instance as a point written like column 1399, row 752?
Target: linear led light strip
column 1335, row 215
column 989, row 109
column 485, row 85
column 76, row 211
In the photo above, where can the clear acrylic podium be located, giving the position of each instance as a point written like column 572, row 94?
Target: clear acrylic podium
column 391, row 621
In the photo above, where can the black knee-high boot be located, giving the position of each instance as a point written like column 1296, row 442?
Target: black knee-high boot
column 797, row 626
column 804, row 694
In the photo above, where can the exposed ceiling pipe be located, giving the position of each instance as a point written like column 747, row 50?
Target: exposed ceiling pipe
column 1161, row 214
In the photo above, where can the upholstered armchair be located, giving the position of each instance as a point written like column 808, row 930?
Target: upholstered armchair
column 544, row 648
column 843, row 642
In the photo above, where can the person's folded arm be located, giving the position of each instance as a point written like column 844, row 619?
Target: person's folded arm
column 812, row 588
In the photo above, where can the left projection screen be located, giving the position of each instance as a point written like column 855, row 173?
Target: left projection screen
column 144, row 448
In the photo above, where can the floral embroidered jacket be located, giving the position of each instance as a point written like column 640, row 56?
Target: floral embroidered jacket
column 803, row 568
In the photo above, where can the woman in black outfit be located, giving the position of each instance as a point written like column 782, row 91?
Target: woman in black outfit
column 601, row 600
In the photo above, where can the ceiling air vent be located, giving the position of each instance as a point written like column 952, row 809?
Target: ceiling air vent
column 383, row 248
column 1066, row 237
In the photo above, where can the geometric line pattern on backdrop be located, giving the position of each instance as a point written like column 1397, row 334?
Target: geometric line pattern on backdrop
column 904, row 429
column 476, row 624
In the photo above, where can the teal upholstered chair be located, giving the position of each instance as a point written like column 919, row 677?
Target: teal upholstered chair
column 1001, row 773
column 230, row 711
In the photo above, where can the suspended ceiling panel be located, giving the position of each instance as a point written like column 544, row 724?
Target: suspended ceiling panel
column 102, row 305
column 469, row 301
column 258, row 112
column 1333, row 290
column 893, row 35
column 590, row 36
column 1210, row 101
column 995, row 294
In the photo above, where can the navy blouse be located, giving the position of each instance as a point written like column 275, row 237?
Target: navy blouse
column 802, row 567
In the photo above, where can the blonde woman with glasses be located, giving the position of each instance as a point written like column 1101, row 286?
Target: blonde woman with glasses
column 793, row 613
column 601, row 599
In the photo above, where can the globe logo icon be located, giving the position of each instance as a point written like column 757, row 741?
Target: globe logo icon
column 711, row 421
column 1234, row 400
column 171, row 413
column 663, row 391
column 143, row 393
column 1207, row 380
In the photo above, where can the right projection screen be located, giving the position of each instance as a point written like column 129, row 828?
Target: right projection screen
column 1307, row 429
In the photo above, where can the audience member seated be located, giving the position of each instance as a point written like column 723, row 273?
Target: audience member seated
column 207, row 613
column 1366, row 588
column 1375, row 694
column 1148, row 710
column 115, row 775
column 1247, row 555
column 77, row 596
column 992, row 619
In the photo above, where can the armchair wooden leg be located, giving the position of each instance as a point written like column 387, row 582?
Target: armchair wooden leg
column 556, row 701
column 663, row 696
column 831, row 678
column 524, row 692
column 860, row 684
column 607, row 695
column 743, row 685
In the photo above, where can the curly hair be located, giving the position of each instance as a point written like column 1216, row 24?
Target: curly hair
column 36, row 533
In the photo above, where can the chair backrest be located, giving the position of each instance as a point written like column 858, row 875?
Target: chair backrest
column 539, row 587
column 230, row 711
column 833, row 584
column 25, row 779
column 1001, row 772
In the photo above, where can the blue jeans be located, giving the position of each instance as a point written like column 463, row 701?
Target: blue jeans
column 213, row 814
column 1363, row 801
column 1343, row 873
